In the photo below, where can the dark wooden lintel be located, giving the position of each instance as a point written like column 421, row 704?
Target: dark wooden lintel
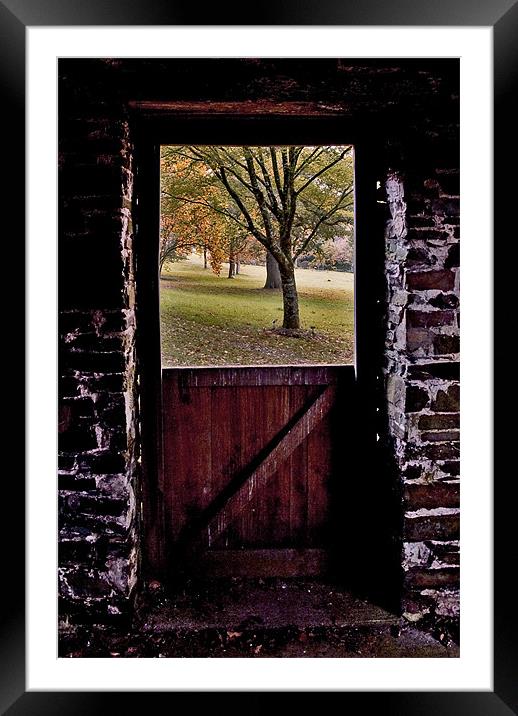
column 247, row 107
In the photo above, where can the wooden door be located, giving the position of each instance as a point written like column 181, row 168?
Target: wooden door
column 248, row 463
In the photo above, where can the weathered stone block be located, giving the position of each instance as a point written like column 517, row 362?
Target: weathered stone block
column 436, row 451
column 88, row 361
column 447, row 370
column 432, row 578
column 428, row 319
column 439, row 421
column 420, row 257
column 95, row 342
column 67, row 462
column 447, row 553
column 424, row 280
column 73, row 552
column 395, row 390
column 415, row 554
column 440, row 436
column 434, row 524
column 447, row 401
column 83, row 503
column 453, row 258
column 450, row 467
column 417, row 398
column 446, row 207
column 444, row 344
column 75, row 434
column 427, row 234
column 412, row 472
column 81, row 583
column 107, row 463
column 444, row 300
column 430, row 495
column 78, row 408
column 419, row 340
column 446, row 601
column 78, row 483
column 111, row 409
column 107, row 383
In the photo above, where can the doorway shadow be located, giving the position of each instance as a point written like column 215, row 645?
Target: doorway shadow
column 365, row 520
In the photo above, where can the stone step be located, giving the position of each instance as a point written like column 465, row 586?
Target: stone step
column 240, row 618
column 237, row 604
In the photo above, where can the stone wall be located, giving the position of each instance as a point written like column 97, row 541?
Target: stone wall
column 422, row 368
column 98, row 445
column 413, row 108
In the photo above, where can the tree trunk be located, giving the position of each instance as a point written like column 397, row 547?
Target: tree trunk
column 273, row 275
column 205, row 262
column 290, row 298
column 238, row 265
column 231, row 267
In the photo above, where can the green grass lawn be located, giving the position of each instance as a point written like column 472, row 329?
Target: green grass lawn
column 212, row 320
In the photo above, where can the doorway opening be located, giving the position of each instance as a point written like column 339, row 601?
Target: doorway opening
column 255, row 457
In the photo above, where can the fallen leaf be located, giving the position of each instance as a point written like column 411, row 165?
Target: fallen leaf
column 234, row 634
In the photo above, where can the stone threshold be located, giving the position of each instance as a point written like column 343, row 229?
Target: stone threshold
column 243, row 618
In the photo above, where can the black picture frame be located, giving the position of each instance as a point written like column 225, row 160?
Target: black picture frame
column 502, row 16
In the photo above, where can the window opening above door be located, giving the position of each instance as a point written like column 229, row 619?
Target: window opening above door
column 256, row 255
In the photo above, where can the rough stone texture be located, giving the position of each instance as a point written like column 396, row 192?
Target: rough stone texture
column 414, row 107
column 422, row 357
column 98, row 445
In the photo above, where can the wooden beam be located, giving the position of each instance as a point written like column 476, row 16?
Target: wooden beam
column 244, row 108
column 237, row 495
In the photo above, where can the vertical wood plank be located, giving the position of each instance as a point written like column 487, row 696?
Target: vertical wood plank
column 319, row 473
column 298, row 493
column 275, row 513
column 226, row 446
column 252, row 430
column 187, row 453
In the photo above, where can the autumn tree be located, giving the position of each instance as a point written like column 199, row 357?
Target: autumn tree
column 288, row 198
column 188, row 225
column 173, row 245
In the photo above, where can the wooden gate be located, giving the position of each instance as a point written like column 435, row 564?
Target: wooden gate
column 248, row 463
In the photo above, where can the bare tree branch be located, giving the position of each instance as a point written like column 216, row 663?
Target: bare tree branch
column 276, row 174
column 322, row 171
column 322, row 219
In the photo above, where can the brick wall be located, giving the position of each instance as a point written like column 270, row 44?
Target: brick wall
column 413, row 107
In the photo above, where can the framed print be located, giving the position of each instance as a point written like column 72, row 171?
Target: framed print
column 164, row 474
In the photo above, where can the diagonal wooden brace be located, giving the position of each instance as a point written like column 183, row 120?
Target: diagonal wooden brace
column 235, row 497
